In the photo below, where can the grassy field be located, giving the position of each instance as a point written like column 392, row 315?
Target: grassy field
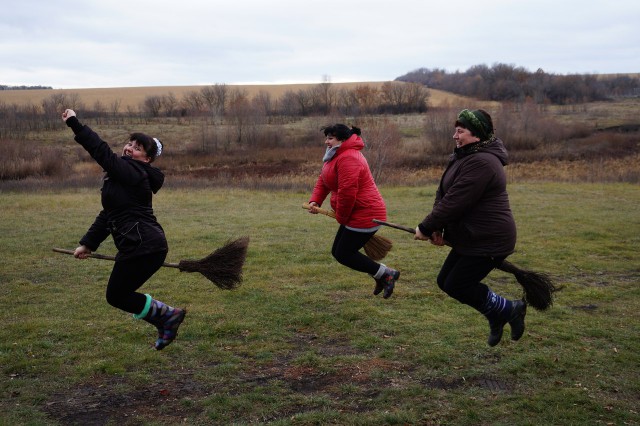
column 304, row 341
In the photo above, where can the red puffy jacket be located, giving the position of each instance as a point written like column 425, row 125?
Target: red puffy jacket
column 354, row 195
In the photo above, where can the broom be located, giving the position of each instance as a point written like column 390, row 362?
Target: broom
column 538, row 287
column 223, row 267
column 376, row 248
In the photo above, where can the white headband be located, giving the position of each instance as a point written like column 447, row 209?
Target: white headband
column 159, row 145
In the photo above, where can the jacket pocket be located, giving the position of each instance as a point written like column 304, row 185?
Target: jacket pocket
column 127, row 236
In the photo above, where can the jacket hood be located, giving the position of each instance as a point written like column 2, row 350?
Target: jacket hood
column 156, row 177
column 354, row 142
column 497, row 148
column 154, row 174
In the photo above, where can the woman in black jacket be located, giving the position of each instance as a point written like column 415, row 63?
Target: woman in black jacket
column 129, row 184
column 472, row 214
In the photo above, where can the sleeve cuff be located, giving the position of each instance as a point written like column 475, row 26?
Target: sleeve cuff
column 426, row 231
column 74, row 124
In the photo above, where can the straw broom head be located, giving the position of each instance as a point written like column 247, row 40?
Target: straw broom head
column 538, row 287
column 224, row 266
column 378, row 247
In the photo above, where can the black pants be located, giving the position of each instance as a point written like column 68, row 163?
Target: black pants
column 460, row 277
column 346, row 250
column 128, row 276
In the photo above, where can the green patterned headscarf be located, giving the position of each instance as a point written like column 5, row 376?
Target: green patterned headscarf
column 476, row 122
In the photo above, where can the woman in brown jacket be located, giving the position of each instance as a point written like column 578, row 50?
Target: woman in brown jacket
column 471, row 213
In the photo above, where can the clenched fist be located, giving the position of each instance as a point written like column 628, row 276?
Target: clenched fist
column 68, row 113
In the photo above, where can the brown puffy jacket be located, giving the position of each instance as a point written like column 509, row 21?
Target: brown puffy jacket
column 472, row 205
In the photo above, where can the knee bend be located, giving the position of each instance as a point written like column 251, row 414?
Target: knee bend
column 341, row 258
column 114, row 299
column 452, row 290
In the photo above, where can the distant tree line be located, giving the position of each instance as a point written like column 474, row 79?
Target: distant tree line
column 322, row 99
column 502, row 82
column 221, row 103
column 5, row 87
column 225, row 101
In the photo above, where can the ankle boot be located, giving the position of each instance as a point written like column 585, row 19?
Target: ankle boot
column 379, row 287
column 387, row 282
column 516, row 321
column 496, row 326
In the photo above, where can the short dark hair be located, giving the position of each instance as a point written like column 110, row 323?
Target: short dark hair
column 342, row 132
column 147, row 142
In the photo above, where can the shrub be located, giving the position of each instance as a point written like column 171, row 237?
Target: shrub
column 20, row 160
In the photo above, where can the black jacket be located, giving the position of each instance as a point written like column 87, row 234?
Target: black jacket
column 472, row 205
column 127, row 192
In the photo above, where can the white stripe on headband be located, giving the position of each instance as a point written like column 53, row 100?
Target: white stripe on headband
column 159, row 146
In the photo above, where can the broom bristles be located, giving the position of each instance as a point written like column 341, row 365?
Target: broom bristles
column 378, row 247
column 538, row 287
column 223, row 267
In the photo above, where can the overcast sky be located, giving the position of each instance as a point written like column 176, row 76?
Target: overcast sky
column 118, row 43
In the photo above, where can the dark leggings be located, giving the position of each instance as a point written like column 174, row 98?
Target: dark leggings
column 460, row 277
column 346, row 250
column 127, row 276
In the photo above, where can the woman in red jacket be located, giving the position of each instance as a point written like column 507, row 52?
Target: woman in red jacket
column 472, row 213
column 356, row 201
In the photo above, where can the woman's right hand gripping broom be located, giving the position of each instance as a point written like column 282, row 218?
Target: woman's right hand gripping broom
column 315, row 209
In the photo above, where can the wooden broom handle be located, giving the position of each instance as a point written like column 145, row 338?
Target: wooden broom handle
column 395, row 225
column 325, row 212
column 402, row 228
column 105, row 257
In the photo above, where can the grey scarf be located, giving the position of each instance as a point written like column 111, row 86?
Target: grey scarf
column 329, row 153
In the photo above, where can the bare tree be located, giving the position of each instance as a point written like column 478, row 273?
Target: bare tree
column 169, row 104
column 323, row 97
column 152, row 105
column 215, row 97
column 304, row 100
column 438, row 132
column 58, row 102
column 382, row 139
column 417, row 97
column 262, row 102
column 366, row 97
column 239, row 113
column 288, row 103
column 114, row 107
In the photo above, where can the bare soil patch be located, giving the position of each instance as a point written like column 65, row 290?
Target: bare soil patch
column 176, row 396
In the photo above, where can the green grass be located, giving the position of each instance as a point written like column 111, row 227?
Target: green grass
column 303, row 341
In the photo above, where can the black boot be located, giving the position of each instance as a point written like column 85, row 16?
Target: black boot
column 387, row 282
column 496, row 326
column 379, row 287
column 516, row 321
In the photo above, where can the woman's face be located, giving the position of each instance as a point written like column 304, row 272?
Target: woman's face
column 136, row 151
column 464, row 137
column 331, row 141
